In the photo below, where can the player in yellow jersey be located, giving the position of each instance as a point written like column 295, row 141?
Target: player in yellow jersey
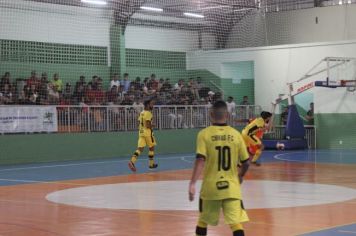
column 251, row 135
column 220, row 148
column 146, row 137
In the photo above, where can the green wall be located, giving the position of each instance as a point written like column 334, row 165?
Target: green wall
column 70, row 61
column 333, row 128
column 35, row 148
column 245, row 87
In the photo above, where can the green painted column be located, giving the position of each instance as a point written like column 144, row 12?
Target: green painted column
column 117, row 49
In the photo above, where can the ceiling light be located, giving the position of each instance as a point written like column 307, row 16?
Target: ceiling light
column 193, row 15
column 340, row 2
column 96, row 2
column 152, row 9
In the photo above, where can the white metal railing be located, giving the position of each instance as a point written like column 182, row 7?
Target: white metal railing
column 279, row 133
column 124, row 118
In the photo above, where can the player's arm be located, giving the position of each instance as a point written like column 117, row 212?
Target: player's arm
column 198, row 165
column 197, row 170
column 244, row 157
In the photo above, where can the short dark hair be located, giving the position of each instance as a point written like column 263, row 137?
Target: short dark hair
column 147, row 102
column 230, row 98
column 126, row 74
column 219, row 108
column 266, row 114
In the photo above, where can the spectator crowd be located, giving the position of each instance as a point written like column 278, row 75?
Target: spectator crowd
column 37, row 90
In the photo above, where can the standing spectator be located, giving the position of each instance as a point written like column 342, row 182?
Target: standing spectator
column 310, row 114
column 114, row 81
column 43, row 90
column 126, row 82
column 160, row 84
column 153, row 83
column 179, row 85
column 57, row 83
column 245, row 101
column 231, row 107
column 67, row 94
column 6, row 79
column 284, row 116
column 137, row 84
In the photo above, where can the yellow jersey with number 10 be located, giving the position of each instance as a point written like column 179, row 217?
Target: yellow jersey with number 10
column 223, row 149
column 143, row 118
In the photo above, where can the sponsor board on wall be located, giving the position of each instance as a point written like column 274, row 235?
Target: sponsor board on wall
column 28, row 119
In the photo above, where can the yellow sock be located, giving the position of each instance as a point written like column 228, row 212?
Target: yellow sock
column 257, row 155
column 151, row 155
column 236, row 227
column 135, row 156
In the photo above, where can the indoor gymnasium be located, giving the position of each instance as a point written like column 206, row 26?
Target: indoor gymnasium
column 177, row 117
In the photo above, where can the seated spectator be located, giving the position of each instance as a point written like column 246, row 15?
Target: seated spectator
column 138, row 105
column 53, row 94
column 89, row 94
column 33, row 80
column 99, row 95
column 127, row 100
column 166, row 87
column 112, row 95
column 6, row 96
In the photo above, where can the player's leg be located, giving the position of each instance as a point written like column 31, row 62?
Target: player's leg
column 209, row 215
column 257, row 154
column 140, row 146
column 151, row 142
column 235, row 214
column 257, row 143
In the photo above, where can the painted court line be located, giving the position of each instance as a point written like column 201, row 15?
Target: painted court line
column 85, row 163
column 346, row 232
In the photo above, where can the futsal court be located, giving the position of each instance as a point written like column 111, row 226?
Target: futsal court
column 293, row 193
column 85, row 84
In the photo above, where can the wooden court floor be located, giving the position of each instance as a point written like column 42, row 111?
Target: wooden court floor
column 26, row 212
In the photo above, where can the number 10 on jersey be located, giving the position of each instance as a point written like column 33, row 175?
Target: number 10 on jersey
column 224, row 158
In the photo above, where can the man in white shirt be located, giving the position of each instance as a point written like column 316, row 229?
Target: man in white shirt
column 231, row 108
column 115, row 81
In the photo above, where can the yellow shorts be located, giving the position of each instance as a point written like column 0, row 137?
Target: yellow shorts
column 233, row 209
column 251, row 140
column 144, row 141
